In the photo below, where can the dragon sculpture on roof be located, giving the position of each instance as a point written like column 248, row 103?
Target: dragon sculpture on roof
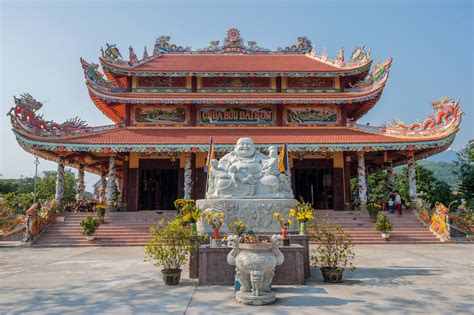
column 448, row 115
column 93, row 75
column 23, row 115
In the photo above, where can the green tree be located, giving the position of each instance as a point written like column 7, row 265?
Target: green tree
column 465, row 163
column 378, row 186
column 46, row 188
column 428, row 186
column 7, row 186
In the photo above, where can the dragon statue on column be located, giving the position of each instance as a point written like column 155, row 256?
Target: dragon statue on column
column 23, row 115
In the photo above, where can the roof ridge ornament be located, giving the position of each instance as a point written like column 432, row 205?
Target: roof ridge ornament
column 23, row 116
column 302, row 47
column 448, row 117
column 233, row 44
column 162, row 45
column 359, row 56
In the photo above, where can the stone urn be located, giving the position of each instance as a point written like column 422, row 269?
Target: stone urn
column 255, row 267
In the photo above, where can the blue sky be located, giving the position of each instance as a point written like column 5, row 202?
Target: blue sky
column 41, row 42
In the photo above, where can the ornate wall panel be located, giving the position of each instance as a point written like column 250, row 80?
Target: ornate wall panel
column 220, row 84
column 161, row 84
column 308, row 84
column 159, row 115
column 236, row 116
column 312, row 116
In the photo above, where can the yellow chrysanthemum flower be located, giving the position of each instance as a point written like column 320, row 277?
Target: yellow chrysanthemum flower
column 276, row 215
column 289, row 221
column 216, row 215
column 292, row 212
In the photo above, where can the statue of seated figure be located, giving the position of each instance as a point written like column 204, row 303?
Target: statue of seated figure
column 247, row 173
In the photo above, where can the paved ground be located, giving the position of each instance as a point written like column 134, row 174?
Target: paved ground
column 435, row 279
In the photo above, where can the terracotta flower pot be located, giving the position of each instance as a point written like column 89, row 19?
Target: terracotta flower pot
column 332, row 275
column 101, row 220
column 90, row 237
column 171, row 276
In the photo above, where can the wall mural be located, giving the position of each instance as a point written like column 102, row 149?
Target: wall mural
column 237, row 116
column 160, row 115
column 312, row 116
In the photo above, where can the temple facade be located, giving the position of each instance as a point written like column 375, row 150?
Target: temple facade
column 168, row 104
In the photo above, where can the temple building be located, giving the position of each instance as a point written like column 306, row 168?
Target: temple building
column 168, row 104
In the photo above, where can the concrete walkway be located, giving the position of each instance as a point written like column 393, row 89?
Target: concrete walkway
column 391, row 279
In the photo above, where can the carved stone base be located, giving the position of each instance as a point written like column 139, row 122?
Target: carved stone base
column 256, row 213
column 250, row 299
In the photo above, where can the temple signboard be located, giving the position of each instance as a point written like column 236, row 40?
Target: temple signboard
column 236, row 116
column 312, row 116
column 144, row 115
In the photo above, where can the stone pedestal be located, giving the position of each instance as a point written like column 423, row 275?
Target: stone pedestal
column 214, row 269
column 256, row 213
column 250, row 299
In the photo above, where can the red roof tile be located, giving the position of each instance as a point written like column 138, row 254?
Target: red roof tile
column 199, row 135
column 235, row 63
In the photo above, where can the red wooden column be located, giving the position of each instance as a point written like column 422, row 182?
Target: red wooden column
column 133, row 184
column 347, row 181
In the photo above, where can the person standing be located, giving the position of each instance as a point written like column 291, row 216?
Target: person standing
column 398, row 202
column 391, row 203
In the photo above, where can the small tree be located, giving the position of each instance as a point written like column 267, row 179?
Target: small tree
column 335, row 249
column 383, row 224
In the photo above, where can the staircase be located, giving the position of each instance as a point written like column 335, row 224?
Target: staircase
column 119, row 229
column 407, row 229
column 132, row 228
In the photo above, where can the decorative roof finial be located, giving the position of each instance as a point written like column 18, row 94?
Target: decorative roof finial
column 324, row 56
column 145, row 53
column 132, row 56
column 340, row 57
column 112, row 52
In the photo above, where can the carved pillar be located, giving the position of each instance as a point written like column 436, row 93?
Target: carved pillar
column 111, row 191
column 80, row 183
column 361, row 174
column 390, row 179
column 103, row 186
column 60, row 181
column 411, row 176
column 188, row 182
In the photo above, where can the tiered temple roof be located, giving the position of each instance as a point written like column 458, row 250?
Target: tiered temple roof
column 112, row 93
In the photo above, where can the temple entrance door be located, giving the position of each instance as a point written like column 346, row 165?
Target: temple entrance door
column 158, row 184
column 313, row 182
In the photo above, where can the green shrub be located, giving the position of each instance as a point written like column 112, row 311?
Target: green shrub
column 89, row 225
column 335, row 249
column 170, row 245
column 383, row 224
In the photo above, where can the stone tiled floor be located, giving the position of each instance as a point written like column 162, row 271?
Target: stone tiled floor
column 391, row 279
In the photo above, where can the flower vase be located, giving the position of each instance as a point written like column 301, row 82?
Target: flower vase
column 216, row 242
column 302, row 228
column 286, row 240
column 194, row 227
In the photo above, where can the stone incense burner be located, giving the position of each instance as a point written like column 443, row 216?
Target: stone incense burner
column 255, row 267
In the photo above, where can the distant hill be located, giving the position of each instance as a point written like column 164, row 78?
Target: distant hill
column 443, row 170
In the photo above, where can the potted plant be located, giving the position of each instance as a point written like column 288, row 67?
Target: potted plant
column 304, row 213
column 100, row 210
column 180, row 203
column 89, row 226
column 384, row 226
column 334, row 252
column 285, row 224
column 373, row 210
column 215, row 220
column 169, row 247
column 190, row 213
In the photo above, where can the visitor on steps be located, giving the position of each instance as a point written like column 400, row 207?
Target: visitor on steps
column 391, row 203
column 398, row 203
